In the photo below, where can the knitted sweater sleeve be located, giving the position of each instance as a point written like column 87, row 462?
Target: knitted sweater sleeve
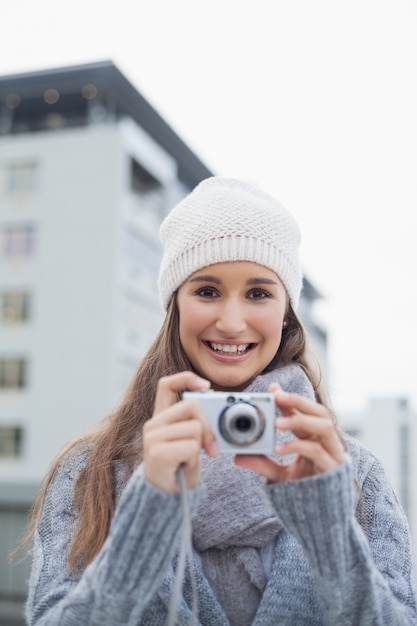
column 361, row 578
column 119, row 584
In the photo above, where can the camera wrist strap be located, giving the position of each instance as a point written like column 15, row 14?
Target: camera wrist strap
column 185, row 556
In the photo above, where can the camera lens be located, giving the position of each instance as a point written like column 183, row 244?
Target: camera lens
column 241, row 424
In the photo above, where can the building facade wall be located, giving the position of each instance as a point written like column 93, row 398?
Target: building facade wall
column 80, row 210
column 93, row 307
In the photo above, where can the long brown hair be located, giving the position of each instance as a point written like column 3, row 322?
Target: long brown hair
column 119, row 436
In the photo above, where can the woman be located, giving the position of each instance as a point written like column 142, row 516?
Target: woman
column 311, row 535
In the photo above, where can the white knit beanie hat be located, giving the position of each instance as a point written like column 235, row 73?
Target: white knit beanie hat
column 224, row 219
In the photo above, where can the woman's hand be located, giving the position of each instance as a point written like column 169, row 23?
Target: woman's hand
column 317, row 446
column 176, row 433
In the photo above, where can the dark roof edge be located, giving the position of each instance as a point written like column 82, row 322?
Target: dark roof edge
column 190, row 168
column 53, row 71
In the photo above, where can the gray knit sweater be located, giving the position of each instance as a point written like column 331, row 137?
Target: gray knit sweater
column 328, row 569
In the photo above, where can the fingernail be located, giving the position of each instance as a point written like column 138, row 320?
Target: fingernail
column 203, row 382
column 213, row 448
column 281, row 394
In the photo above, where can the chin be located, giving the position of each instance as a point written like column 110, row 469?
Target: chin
column 230, row 385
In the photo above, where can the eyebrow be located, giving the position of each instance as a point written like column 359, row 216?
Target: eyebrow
column 261, row 281
column 206, row 278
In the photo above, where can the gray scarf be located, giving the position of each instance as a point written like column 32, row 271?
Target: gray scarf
column 235, row 519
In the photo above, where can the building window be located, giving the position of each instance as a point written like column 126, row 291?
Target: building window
column 146, row 187
column 13, row 373
column 141, row 180
column 14, row 307
column 10, row 441
column 17, row 241
column 22, row 177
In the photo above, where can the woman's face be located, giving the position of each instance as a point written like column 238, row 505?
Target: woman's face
column 231, row 317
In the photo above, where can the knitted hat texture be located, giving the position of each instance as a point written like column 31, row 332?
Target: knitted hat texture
column 225, row 219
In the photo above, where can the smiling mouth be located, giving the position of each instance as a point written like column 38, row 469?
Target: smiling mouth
column 226, row 348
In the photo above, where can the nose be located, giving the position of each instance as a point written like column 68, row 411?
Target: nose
column 231, row 318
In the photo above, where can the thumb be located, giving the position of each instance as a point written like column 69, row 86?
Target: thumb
column 265, row 466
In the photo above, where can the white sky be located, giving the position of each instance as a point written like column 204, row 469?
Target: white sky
column 314, row 100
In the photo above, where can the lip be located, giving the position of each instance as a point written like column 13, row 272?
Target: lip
column 230, row 357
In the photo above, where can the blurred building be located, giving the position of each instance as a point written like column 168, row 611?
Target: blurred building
column 87, row 171
column 387, row 427
column 316, row 330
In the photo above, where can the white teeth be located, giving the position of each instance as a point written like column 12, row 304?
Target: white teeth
column 228, row 348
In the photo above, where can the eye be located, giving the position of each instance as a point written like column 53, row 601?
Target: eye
column 258, row 294
column 207, row 292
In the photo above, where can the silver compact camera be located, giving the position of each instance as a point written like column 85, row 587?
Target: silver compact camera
column 242, row 422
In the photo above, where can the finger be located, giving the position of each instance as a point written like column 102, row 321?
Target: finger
column 285, row 411
column 189, row 429
column 290, row 402
column 304, row 426
column 271, row 470
column 163, row 460
column 183, row 412
column 177, row 412
column 313, row 451
column 168, row 455
column 170, row 386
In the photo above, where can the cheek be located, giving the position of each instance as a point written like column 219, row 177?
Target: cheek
column 192, row 322
column 271, row 325
column 274, row 337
